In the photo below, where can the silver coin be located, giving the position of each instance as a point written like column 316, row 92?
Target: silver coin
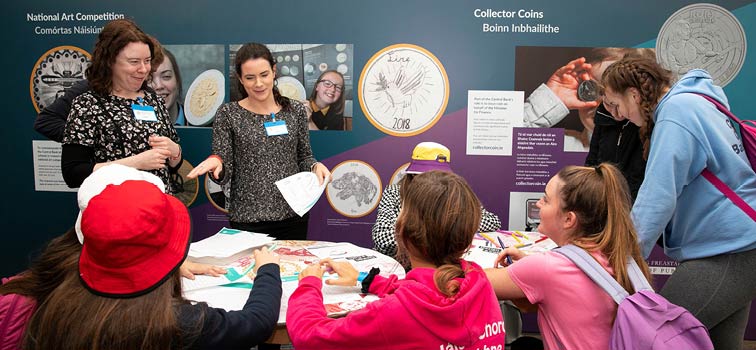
column 702, row 36
column 588, row 90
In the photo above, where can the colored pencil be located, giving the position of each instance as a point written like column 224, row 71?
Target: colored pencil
column 509, row 258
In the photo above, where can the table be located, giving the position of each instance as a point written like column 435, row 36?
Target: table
column 295, row 256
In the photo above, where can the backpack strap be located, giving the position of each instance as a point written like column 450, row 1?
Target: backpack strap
column 729, row 193
column 596, row 272
column 716, row 181
column 720, row 107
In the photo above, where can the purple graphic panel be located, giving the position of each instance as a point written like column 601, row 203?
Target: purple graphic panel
column 492, row 178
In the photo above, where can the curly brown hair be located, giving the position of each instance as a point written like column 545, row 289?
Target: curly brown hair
column 111, row 40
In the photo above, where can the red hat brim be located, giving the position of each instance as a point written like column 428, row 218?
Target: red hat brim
column 147, row 274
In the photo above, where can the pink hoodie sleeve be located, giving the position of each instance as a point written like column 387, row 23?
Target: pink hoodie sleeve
column 383, row 286
column 310, row 328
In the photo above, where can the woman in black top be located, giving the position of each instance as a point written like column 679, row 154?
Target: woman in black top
column 120, row 119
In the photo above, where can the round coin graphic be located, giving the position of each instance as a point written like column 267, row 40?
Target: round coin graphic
column 355, row 189
column 403, row 90
column 56, row 70
column 702, row 36
column 588, row 90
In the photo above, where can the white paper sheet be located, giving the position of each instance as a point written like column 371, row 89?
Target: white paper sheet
column 227, row 242
column 301, row 190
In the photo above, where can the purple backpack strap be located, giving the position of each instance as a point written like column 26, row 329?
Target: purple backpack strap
column 601, row 277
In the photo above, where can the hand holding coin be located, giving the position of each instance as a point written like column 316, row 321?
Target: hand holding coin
column 588, row 90
column 566, row 80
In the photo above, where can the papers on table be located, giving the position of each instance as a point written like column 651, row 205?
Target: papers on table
column 228, row 248
column 301, row 191
column 363, row 259
column 486, row 246
column 230, row 294
column 205, row 281
column 226, row 243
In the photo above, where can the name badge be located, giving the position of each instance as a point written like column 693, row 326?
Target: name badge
column 276, row 128
column 144, row 113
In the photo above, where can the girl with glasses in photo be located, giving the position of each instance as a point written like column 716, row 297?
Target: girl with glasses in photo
column 326, row 102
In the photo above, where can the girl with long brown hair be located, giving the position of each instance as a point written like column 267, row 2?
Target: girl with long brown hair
column 126, row 293
column 590, row 208
column 444, row 302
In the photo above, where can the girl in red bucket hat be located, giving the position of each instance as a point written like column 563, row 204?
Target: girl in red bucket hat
column 127, row 294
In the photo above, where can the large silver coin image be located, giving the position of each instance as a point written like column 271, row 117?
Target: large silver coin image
column 702, row 36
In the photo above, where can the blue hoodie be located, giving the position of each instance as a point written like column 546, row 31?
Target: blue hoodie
column 697, row 220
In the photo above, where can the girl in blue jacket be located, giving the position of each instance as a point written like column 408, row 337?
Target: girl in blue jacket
column 712, row 238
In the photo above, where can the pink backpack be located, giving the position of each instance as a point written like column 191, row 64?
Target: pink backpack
column 645, row 320
column 15, row 312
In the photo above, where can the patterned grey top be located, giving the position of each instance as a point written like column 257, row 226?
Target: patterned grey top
column 108, row 126
column 253, row 161
column 384, row 238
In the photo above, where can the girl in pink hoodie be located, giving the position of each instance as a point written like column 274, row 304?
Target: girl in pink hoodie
column 443, row 303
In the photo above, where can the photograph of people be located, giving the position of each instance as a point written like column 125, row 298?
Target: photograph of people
column 166, row 80
column 551, row 87
column 615, row 139
column 326, row 102
column 257, row 141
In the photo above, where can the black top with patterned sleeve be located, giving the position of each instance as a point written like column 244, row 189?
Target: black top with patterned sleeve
column 107, row 125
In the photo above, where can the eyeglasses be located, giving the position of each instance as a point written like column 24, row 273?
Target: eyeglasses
column 329, row 84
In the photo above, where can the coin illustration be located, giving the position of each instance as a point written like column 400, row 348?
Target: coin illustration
column 355, row 190
column 702, row 36
column 56, row 70
column 205, row 95
column 403, row 90
column 588, row 90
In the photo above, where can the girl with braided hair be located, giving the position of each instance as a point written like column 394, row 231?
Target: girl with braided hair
column 683, row 134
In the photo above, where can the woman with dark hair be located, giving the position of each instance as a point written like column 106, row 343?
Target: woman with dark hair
column 326, row 102
column 166, row 80
column 257, row 141
column 126, row 293
column 712, row 238
column 120, row 119
column 445, row 302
